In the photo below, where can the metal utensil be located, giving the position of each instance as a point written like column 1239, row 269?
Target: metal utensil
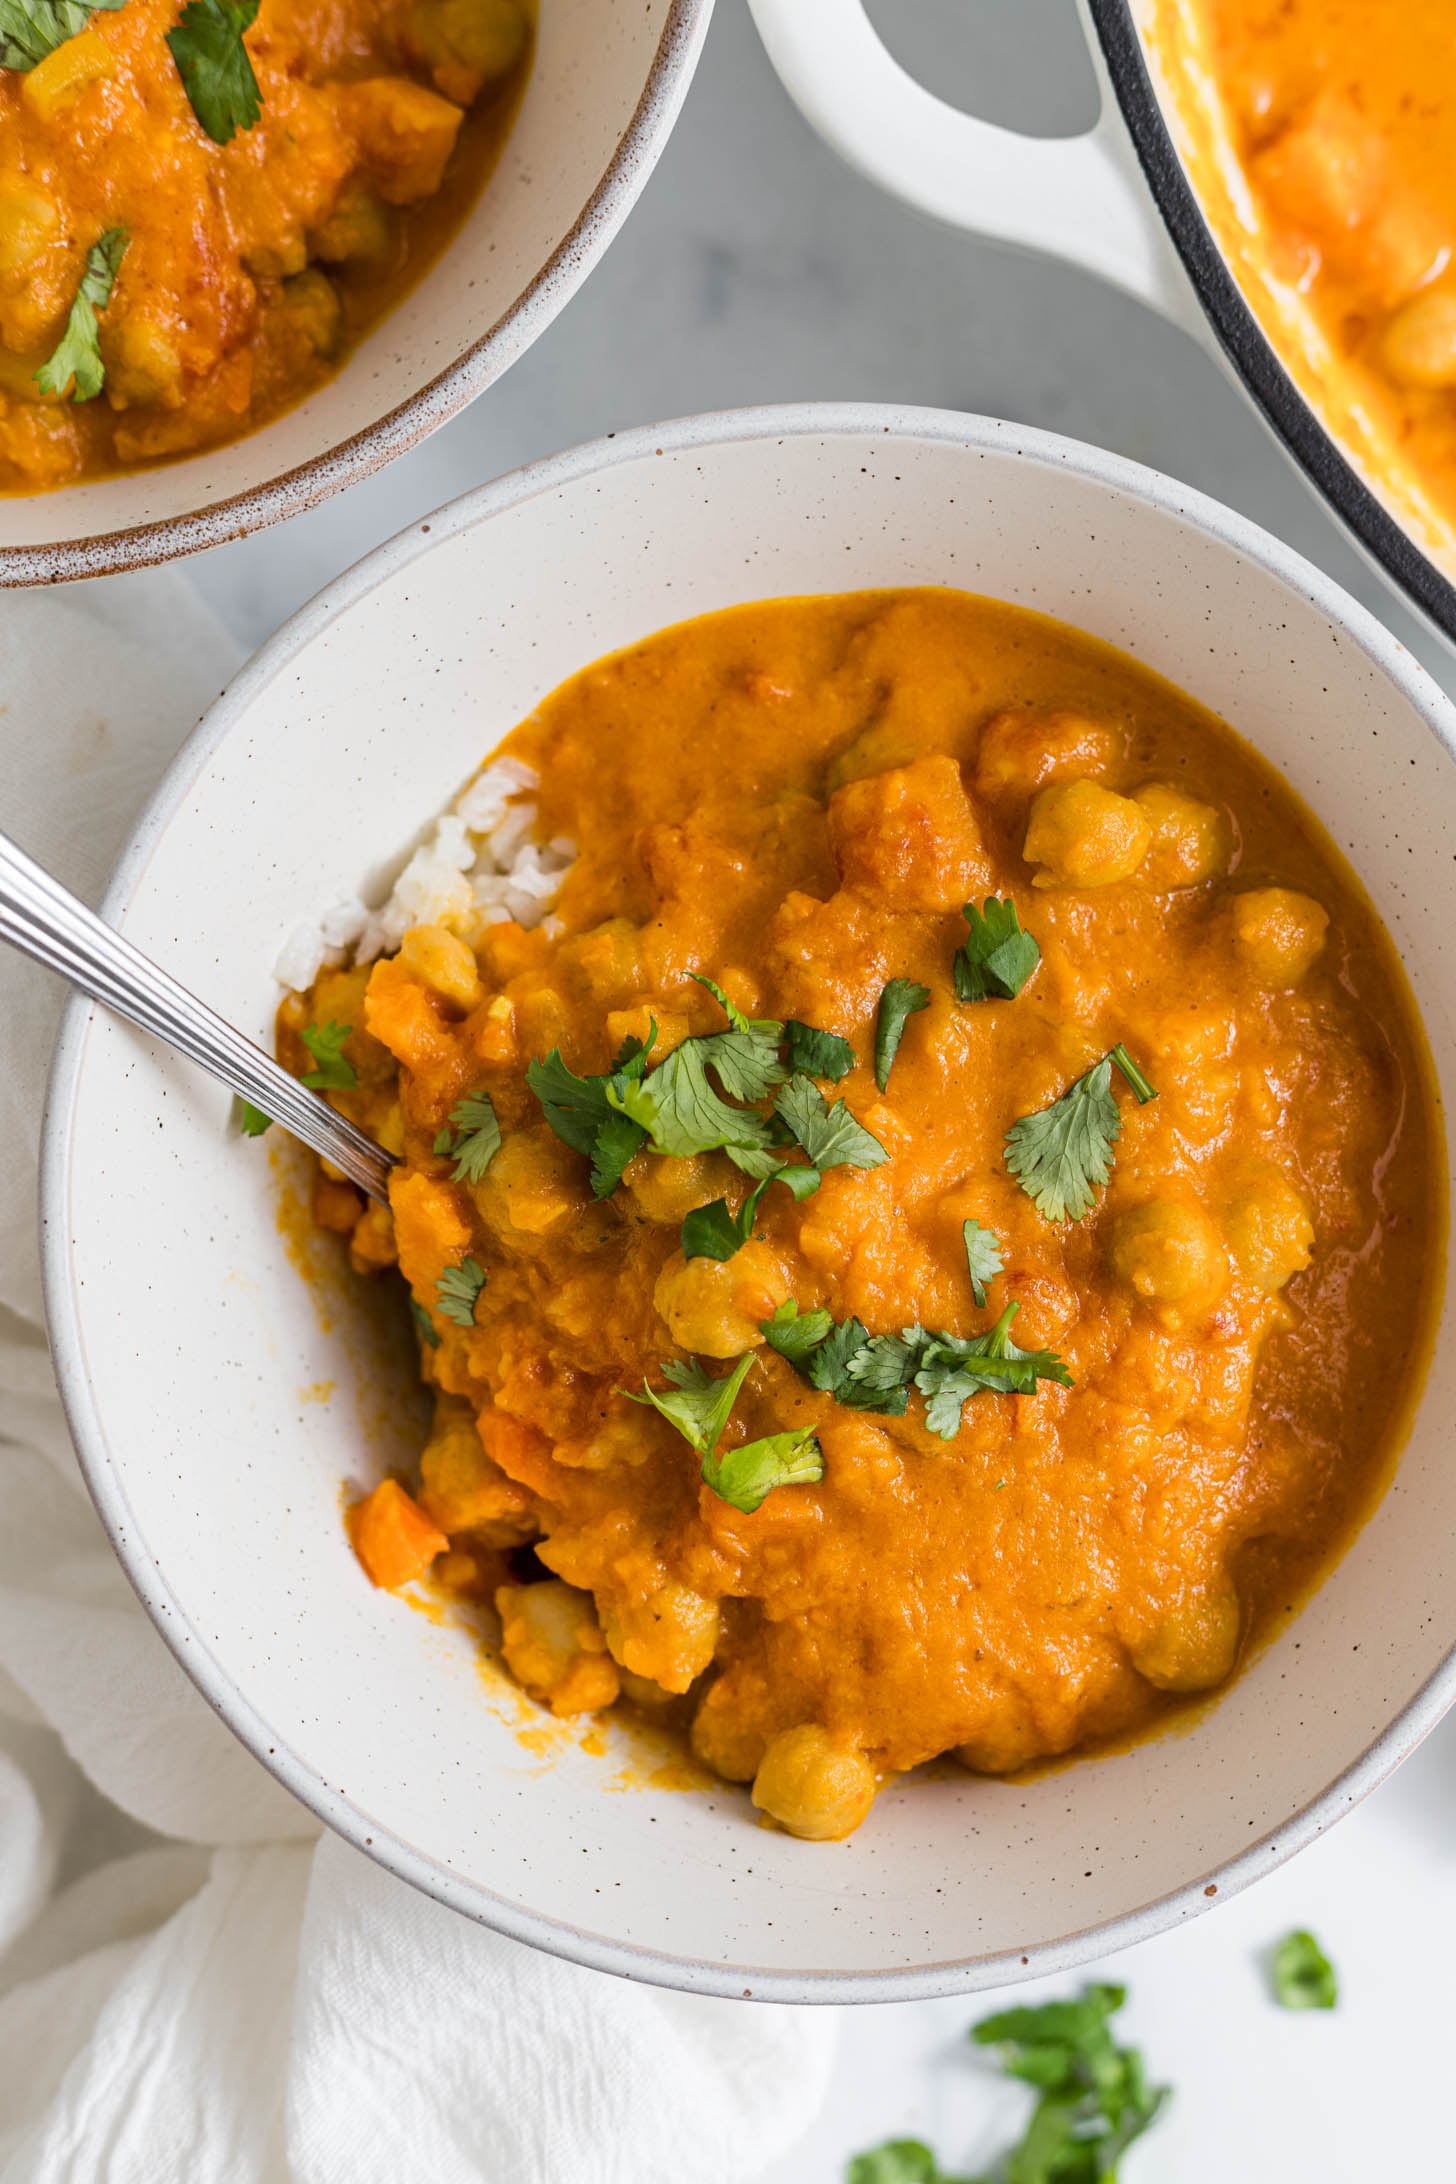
column 40, row 918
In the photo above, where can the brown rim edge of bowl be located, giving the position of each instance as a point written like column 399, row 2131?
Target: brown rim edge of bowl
column 170, row 538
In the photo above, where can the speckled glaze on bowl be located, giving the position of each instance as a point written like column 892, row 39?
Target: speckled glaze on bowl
column 186, row 1345
column 606, row 85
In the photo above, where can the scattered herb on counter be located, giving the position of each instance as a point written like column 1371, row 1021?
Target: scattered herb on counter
column 332, row 1073
column 698, row 1406
column 998, row 956
column 1304, row 1978
column 983, row 1258
column 31, row 29
column 473, row 1138
column 1093, row 2099
column 815, row 1053
column 217, row 75
column 1062, row 1155
column 75, row 362
column 832, row 1137
column 458, row 1289
column 898, row 1003
column 251, row 1120
column 425, row 1327
column 714, row 1231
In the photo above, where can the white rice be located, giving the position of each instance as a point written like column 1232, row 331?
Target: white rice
column 478, row 867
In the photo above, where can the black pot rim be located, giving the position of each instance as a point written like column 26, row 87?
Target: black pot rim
column 1244, row 341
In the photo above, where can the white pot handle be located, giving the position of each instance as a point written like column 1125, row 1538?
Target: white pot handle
column 1079, row 198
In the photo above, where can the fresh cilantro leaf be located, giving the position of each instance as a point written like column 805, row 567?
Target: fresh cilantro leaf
column 1094, row 2096
column 425, row 1327
column 217, row 75
column 30, row 29
column 815, row 1053
column 885, row 1362
column 898, row 1003
column 1304, row 1978
column 715, row 1232
column 75, row 362
column 795, row 1334
column 334, row 1073
column 950, row 1368
column 457, row 1291
column 730, row 1009
column 998, row 956
column 576, row 1107
column 899, row 2161
column 618, row 1140
column 474, row 1138
column 831, row 1136
column 830, row 1370
column 983, row 1257
column 1062, row 1155
column 744, row 1475
column 697, row 1404
column 251, row 1120
column 678, row 1109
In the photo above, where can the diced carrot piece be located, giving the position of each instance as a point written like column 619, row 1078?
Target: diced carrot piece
column 522, row 1452
column 392, row 1536
column 405, row 1016
column 430, row 1231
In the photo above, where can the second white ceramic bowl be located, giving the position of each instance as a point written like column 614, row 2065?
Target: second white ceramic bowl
column 192, row 1359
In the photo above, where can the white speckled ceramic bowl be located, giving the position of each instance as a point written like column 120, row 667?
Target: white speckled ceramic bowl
column 606, row 85
column 190, row 1355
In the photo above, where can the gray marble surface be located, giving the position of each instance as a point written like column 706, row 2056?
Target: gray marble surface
column 756, row 268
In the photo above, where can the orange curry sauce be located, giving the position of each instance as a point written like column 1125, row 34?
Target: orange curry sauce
column 251, row 267
column 796, row 798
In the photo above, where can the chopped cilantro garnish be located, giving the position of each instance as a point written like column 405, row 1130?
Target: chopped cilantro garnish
column 794, row 1334
column 815, row 1053
column 251, row 1120
column 583, row 1117
column 457, row 1291
column 678, row 1110
column 75, row 362
column 831, row 1136
column 425, row 1327
column 698, row 1406
column 998, row 956
column 31, row 29
column 325, row 1042
column 1093, row 2099
column 714, row 1231
column 1062, row 1155
column 1304, row 1978
column 876, row 1372
column 831, row 1370
column 217, row 75
column 898, row 1003
column 473, row 1139
column 983, row 1258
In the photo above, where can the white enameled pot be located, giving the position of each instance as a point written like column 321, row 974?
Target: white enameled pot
column 606, row 85
column 1121, row 201
column 191, row 1356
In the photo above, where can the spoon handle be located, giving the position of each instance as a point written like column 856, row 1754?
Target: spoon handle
column 43, row 921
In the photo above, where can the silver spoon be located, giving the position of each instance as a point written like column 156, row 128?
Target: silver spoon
column 42, row 920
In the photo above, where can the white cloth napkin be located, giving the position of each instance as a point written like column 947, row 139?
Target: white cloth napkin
column 196, row 1987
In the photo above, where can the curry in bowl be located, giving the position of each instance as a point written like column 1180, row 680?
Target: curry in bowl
column 202, row 210
column 1319, row 134
column 918, row 1188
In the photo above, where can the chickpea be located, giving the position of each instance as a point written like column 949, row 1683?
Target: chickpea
column 1278, row 932
column 359, row 229
column 142, row 363
column 554, row 1647
column 1004, row 1743
column 1170, row 1253
column 1020, row 753
column 722, row 1739
column 442, row 962
column 1083, row 835
column 669, row 1636
column 405, row 134
column 812, row 1787
column 312, row 303
column 1190, row 840
column 1194, row 1646
column 1270, row 1232
column 1418, row 347
column 465, row 43
column 664, row 1189
column 714, row 1306
column 463, row 1489
column 30, row 220
column 533, row 1187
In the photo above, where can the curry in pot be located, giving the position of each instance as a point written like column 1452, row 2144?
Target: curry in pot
column 202, row 211
column 930, row 1245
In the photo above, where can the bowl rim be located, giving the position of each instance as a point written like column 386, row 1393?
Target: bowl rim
column 103, row 1475
column 168, row 538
